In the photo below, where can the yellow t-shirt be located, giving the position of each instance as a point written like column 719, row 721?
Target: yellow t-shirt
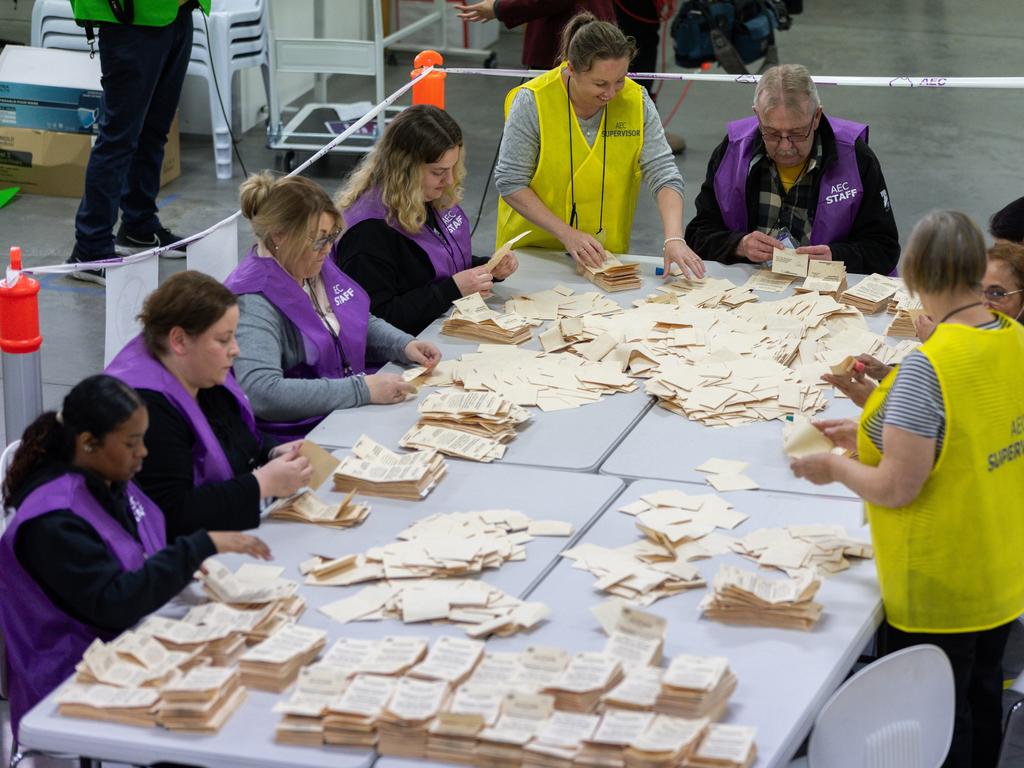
column 789, row 176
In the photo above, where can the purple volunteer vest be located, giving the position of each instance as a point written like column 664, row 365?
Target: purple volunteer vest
column 839, row 193
column 323, row 353
column 450, row 251
column 43, row 642
column 136, row 367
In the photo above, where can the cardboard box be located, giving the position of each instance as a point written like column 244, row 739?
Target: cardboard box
column 51, row 163
column 49, row 89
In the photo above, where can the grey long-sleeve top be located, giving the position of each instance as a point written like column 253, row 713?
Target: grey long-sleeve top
column 520, row 147
column 271, row 344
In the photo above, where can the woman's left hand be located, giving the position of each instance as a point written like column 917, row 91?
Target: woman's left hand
column 680, row 254
column 505, row 267
column 817, row 468
column 423, row 352
column 284, row 449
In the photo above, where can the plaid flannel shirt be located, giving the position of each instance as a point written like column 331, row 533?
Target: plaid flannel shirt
column 777, row 208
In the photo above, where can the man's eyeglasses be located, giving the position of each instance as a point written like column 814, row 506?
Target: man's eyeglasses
column 998, row 294
column 773, row 136
column 319, row 243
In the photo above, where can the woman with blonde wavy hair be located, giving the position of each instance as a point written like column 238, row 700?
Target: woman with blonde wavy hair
column 407, row 241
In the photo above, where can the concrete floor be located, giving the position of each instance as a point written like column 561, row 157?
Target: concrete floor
column 939, row 147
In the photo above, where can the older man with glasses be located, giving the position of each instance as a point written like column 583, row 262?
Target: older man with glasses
column 791, row 176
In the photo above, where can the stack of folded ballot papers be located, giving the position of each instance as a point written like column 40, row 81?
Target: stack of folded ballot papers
column 485, row 414
column 127, row 706
column 274, row 664
column 403, row 723
column 742, row 597
column 373, row 470
column 613, row 275
column 872, row 294
column 472, row 319
column 202, row 700
column 725, row 746
column 696, row 686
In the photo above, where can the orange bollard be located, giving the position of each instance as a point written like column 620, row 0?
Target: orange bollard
column 429, row 90
column 19, row 312
column 19, row 351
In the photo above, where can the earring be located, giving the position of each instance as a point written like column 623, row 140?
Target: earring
column 88, row 449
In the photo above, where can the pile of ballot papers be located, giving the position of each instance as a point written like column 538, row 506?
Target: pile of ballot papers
column 373, row 470
column 613, row 275
column 453, row 442
column 905, row 309
column 113, row 704
column 872, row 294
column 696, row 686
column 472, row 319
column 306, row 507
column 475, row 606
column 135, row 680
column 725, row 746
column 743, row 597
column 819, row 549
column 439, row 546
column 485, row 414
column 453, row 701
column 273, row 664
column 202, row 700
column 677, row 528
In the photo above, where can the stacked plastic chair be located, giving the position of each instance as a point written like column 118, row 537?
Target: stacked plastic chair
column 238, row 38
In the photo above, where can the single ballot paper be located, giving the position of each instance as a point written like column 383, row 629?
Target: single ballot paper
column 801, row 438
column 786, row 261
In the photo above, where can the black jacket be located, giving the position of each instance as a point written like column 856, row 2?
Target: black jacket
column 167, row 473
column 74, row 567
column 872, row 245
column 397, row 274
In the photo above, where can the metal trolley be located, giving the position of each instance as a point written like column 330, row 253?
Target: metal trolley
column 326, row 56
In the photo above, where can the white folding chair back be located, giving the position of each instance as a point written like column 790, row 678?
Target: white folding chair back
column 894, row 713
column 5, row 462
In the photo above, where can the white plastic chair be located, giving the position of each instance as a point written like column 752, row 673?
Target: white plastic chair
column 240, row 37
column 895, row 713
column 5, row 462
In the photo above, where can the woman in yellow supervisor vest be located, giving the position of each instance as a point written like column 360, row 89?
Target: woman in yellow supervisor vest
column 940, row 466
column 577, row 141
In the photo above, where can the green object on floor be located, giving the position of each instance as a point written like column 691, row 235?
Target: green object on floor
column 6, row 195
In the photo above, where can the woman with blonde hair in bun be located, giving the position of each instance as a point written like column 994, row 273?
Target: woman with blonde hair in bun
column 305, row 328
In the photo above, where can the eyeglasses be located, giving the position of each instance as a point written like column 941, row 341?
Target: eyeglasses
column 998, row 294
column 770, row 134
column 319, row 243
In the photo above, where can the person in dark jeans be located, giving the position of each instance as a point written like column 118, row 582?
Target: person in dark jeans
column 143, row 60
column 641, row 19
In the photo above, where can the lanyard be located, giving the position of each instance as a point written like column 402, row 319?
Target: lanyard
column 311, row 285
column 602, row 134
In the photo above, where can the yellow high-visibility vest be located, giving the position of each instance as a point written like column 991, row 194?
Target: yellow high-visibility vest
column 953, row 559
column 622, row 129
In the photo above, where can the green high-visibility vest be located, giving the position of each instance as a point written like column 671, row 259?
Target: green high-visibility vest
column 146, row 13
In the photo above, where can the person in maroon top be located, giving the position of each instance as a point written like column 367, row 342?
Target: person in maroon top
column 544, row 21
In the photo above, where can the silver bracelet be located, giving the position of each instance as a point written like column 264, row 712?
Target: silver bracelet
column 672, row 240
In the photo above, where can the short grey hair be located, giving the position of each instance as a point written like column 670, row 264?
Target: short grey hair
column 945, row 254
column 786, row 85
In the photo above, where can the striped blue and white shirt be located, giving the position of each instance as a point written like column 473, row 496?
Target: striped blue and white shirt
column 915, row 400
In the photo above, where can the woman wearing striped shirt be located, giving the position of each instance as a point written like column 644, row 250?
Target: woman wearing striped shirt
column 940, row 451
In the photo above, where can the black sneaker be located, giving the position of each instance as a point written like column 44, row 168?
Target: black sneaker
column 98, row 276
column 162, row 236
